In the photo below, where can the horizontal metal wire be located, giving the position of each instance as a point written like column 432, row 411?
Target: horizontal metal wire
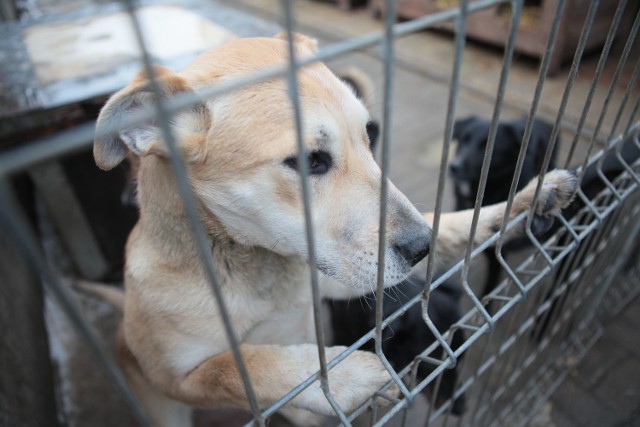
column 82, row 136
column 572, row 243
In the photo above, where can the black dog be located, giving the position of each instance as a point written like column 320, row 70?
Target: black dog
column 408, row 335
column 472, row 134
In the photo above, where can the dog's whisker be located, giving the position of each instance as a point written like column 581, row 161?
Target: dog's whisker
column 414, row 282
column 388, row 293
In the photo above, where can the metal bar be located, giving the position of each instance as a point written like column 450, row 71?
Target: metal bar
column 13, row 221
column 547, row 158
column 388, row 54
column 189, row 206
column 508, row 56
column 81, row 137
column 601, row 62
column 292, row 85
column 633, row 81
column 471, row 340
column 461, row 25
column 628, row 130
column 618, row 72
column 542, row 73
column 603, row 229
column 44, row 149
column 603, row 113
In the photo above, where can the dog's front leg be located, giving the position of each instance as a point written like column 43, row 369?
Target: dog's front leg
column 558, row 190
column 274, row 370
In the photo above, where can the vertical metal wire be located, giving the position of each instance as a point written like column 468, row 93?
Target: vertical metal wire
column 475, row 376
column 586, row 29
column 599, row 68
column 542, row 73
column 616, row 76
column 632, row 118
column 544, row 66
column 189, row 206
column 605, row 106
column 574, row 293
column 618, row 149
column 388, row 55
column 587, row 246
column 516, row 6
column 292, row 85
column 461, row 28
column 633, row 81
column 13, row 221
column 573, row 289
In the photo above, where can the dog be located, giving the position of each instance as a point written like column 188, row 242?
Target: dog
column 241, row 157
column 471, row 134
column 407, row 336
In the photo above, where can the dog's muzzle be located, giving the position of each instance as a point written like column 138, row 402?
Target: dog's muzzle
column 416, row 246
column 456, row 168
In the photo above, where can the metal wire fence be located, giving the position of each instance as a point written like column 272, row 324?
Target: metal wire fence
column 505, row 374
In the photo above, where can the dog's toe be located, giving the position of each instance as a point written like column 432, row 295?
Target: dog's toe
column 558, row 190
column 541, row 224
column 388, row 396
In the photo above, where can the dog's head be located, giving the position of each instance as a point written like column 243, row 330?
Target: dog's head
column 241, row 154
column 472, row 134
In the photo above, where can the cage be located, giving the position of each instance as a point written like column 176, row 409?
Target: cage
column 510, row 346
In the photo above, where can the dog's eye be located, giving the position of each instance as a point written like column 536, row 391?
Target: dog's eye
column 319, row 162
column 373, row 132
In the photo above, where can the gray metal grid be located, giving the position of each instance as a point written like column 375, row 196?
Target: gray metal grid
column 587, row 253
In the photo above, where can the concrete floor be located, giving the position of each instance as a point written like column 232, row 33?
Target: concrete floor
column 604, row 390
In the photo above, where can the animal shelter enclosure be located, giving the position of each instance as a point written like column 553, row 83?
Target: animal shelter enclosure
column 472, row 355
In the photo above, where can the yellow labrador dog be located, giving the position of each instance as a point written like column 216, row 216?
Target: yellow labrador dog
column 240, row 151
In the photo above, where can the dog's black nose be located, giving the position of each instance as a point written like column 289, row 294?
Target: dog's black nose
column 455, row 168
column 416, row 248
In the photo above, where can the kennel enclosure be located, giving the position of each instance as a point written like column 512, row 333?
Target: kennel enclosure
column 520, row 340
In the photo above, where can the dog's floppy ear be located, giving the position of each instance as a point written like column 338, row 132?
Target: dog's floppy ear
column 360, row 83
column 301, row 39
column 363, row 88
column 540, row 140
column 143, row 138
column 515, row 131
column 461, row 124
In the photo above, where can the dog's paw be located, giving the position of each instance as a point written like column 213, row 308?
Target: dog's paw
column 541, row 224
column 351, row 382
column 558, row 190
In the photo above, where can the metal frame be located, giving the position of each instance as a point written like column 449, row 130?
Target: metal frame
column 583, row 245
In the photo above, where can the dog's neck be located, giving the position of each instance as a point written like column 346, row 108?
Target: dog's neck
column 163, row 219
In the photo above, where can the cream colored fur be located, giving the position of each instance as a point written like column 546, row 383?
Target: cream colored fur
column 172, row 343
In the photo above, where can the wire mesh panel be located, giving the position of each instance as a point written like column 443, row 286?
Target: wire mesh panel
column 511, row 346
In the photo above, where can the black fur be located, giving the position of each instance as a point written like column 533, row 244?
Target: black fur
column 408, row 335
column 471, row 134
